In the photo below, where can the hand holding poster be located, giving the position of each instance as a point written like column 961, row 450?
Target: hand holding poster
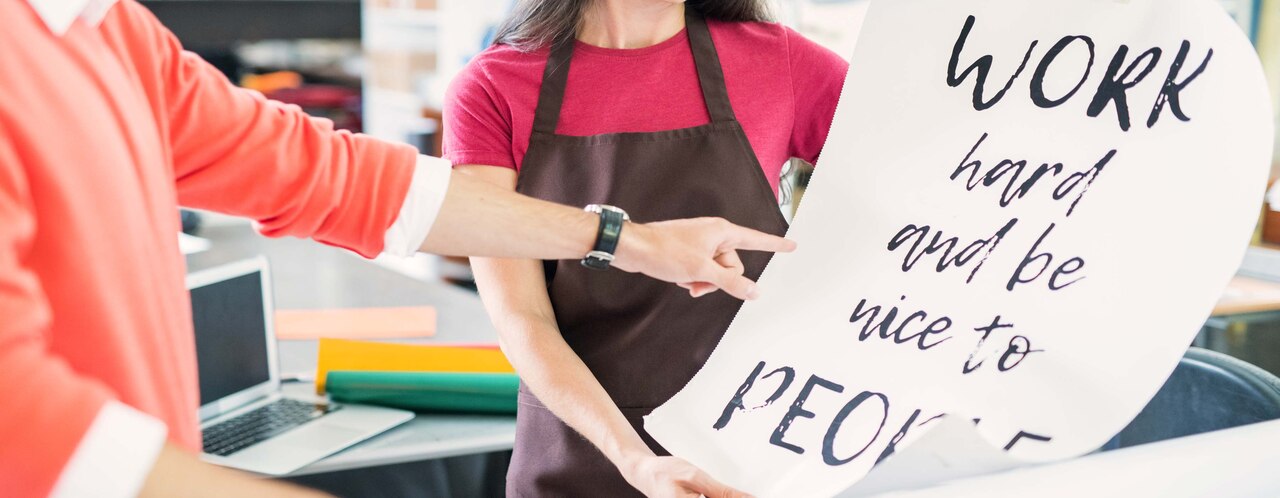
column 1024, row 211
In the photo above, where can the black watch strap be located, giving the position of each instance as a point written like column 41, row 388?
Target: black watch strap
column 607, row 236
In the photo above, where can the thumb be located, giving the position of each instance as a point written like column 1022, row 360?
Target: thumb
column 712, row 488
column 730, row 280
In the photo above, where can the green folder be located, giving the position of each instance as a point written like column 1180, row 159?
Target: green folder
column 451, row 392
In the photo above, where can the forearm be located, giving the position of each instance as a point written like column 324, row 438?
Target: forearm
column 481, row 219
column 514, row 292
column 178, row 473
column 565, row 385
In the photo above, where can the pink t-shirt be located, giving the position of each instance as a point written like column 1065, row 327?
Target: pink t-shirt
column 783, row 88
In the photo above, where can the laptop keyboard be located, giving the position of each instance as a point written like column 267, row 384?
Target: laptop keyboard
column 246, row 430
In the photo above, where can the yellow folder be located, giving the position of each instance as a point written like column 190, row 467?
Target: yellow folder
column 339, row 354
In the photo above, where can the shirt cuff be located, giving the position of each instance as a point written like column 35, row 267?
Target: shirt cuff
column 115, row 455
column 421, row 206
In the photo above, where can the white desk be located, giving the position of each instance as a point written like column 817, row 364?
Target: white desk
column 1240, row 462
column 426, row 437
column 307, row 275
column 1248, row 295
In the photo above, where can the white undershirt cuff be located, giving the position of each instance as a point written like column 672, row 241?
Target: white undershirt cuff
column 115, row 455
column 421, row 207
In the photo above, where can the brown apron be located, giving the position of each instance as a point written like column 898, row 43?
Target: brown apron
column 643, row 339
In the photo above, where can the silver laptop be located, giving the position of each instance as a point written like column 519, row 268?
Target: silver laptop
column 246, row 422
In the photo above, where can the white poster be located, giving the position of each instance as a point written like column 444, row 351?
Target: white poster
column 1024, row 212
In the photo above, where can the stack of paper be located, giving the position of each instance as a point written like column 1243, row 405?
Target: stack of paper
column 357, row 323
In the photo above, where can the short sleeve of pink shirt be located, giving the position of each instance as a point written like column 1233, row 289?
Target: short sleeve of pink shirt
column 783, row 88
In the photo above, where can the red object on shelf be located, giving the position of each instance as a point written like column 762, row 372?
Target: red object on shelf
column 337, row 103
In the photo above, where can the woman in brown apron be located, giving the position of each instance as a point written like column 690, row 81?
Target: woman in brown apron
column 600, row 350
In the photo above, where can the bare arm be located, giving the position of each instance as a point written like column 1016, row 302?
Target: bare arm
column 514, row 226
column 482, row 218
column 514, row 292
column 178, row 473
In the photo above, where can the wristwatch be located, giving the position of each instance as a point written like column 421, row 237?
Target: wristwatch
column 611, row 219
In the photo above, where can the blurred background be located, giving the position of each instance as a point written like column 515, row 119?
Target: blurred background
column 382, row 67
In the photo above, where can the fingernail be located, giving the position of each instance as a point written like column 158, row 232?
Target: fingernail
column 753, row 292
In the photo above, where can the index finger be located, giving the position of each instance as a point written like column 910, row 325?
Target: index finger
column 753, row 240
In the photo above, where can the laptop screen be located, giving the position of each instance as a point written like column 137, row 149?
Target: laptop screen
column 231, row 336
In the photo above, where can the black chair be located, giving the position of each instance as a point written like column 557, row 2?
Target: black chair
column 1208, row 391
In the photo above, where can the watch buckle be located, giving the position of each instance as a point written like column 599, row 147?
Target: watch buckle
column 601, row 255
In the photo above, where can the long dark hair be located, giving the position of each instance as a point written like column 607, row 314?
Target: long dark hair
column 533, row 24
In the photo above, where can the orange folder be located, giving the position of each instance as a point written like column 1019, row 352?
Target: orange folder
column 357, row 323
column 344, row 355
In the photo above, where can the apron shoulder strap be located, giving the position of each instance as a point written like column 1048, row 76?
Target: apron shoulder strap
column 710, row 75
column 551, row 95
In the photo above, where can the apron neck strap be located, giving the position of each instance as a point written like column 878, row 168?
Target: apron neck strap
column 554, row 79
column 708, row 63
column 710, row 76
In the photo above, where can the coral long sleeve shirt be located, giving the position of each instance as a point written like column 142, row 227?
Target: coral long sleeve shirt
column 104, row 131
